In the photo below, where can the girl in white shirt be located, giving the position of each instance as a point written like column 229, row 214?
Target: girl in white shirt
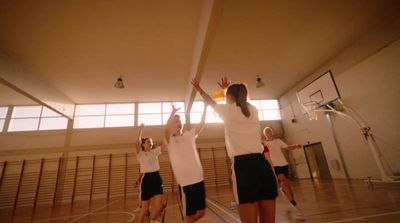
column 185, row 162
column 279, row 161
column 151, row 183
column 254, row 183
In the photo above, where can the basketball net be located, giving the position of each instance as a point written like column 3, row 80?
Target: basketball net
column 310, row 108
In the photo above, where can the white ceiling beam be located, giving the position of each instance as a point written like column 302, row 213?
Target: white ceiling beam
column 210, row 14
column 34, row 87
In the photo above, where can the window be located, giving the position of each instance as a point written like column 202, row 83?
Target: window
column 33, row 118
column 104, row 115
column 51, row 120
column 120, row 115
column 89, row 116
column 149, row 114
column 3, row 114
column 197, row 111
column 267, row 109
column 158, row 113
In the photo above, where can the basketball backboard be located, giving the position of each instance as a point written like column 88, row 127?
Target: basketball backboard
column 322, row 91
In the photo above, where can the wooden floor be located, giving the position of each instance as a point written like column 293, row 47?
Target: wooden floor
column 324, row 201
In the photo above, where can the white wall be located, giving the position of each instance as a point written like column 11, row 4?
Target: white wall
column 367, row 75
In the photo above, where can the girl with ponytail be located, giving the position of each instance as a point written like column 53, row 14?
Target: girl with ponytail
column 253, row 179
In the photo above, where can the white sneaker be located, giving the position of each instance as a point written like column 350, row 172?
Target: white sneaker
column 137, row 210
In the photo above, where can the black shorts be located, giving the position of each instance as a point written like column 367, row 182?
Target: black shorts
column 253, row 179
column 194, row 198
column 151, row 185
column 282, row 170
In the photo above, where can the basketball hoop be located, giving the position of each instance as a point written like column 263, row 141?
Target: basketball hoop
column 310, row 108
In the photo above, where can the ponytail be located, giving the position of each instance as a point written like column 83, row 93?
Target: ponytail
column 239, row 93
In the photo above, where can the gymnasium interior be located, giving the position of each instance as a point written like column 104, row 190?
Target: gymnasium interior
column 77, row 79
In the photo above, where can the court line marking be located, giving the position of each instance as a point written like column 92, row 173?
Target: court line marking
column 84, row 215
column 117, row 212
column 366, row 216
column 215, row 212
column 226, row 212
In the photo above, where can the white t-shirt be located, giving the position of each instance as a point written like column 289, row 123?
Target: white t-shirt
column 149, row 160
column 275, row 151
column 242, row 134
column 185, row 159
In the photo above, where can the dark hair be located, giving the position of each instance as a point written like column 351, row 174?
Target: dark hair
column 143, row 141
column 239, row 93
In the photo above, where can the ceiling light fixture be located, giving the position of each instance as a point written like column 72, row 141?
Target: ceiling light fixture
column 259, row 83
column 119, row 83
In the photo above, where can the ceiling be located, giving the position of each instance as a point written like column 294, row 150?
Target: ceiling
column 80, row 48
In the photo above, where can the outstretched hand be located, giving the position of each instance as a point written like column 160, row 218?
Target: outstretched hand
column 196, row 85
column 174, row 109
column 142, row 126
column 224, row 83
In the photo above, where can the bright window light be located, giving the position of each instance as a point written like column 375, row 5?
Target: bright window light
column 49, row 113
column 53, row 123
column 88, row 122
column 195, row 117
column 120, row 109
column 23, row 124
column 271, row 114
column 267, row 109
column 269, row 104
column 86, row 110
column 198, row 106
column 149, row 108
column 1, row 124
column 149, row 119
column 256, row 104
column 27, row 112
column 3, row 112
column 197, row 112
column 119, row 120
column 27, row 118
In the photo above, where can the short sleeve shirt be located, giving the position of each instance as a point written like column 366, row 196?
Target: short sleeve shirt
column 184, row 158
column 275, row 151
column 149, row 160
column 242, row 134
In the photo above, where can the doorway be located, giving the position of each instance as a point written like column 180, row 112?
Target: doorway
column 317, row 164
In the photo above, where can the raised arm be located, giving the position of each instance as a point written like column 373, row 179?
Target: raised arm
column 293, row 146
column 207, row 98
column 139, row 139
column 167, row 130
column 201, row 125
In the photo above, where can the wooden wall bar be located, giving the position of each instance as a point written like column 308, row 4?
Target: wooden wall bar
column 91, row 177
column 38, row 184
column 19, row 184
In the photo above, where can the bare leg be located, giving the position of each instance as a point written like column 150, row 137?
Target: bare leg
column 266, row 211
column 286, row 186
column 248, row 212
column 156, row 205
column 144, row 210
